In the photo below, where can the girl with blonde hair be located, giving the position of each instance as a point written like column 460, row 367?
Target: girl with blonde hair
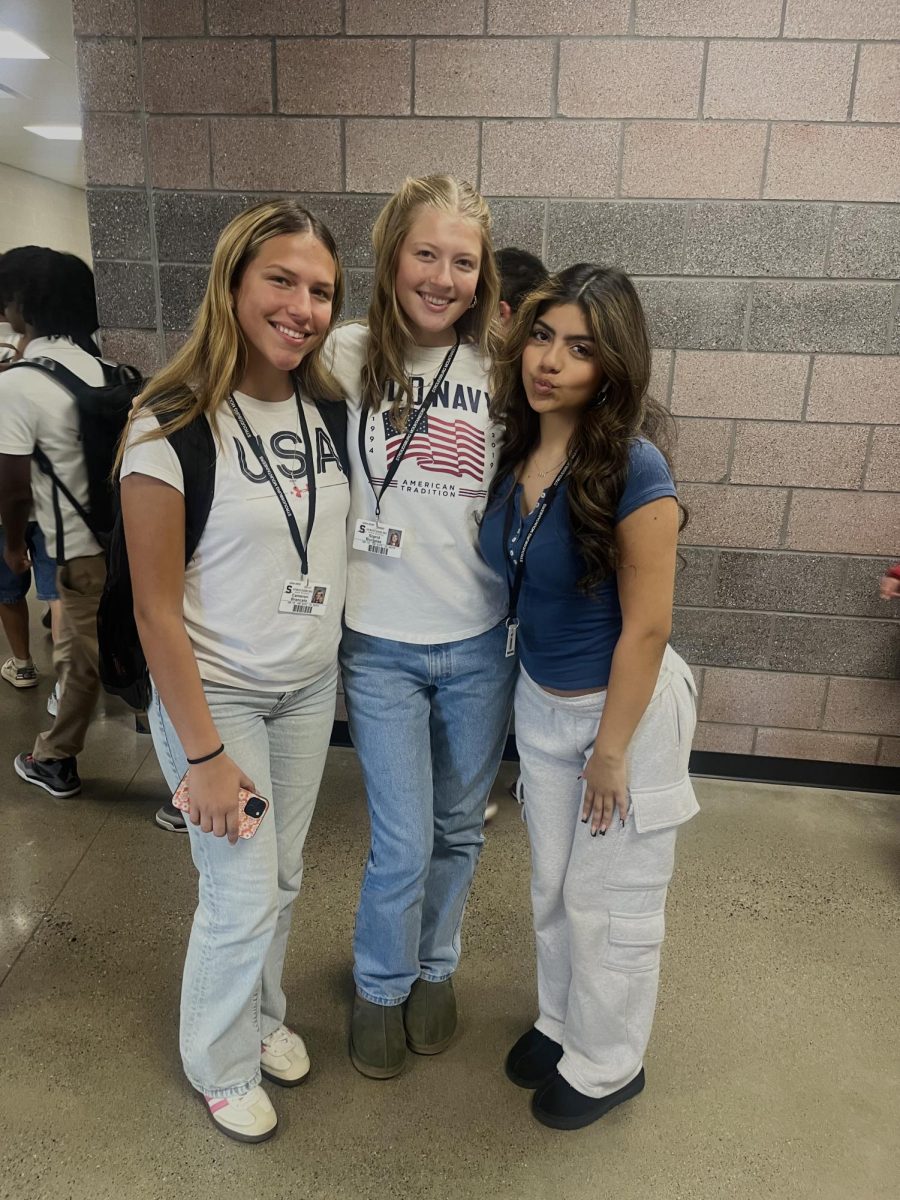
column 582, row 526
column 427, row 686
column 243, row 662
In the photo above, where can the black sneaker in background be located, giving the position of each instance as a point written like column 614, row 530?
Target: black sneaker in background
column 171, row 818
column 58, row 776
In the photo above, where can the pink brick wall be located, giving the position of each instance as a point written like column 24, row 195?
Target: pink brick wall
column 740, row 158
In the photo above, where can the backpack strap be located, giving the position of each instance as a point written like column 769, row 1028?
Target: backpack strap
column 334, row 418
column 73, row 384
column 49, row 366
column 196, row 450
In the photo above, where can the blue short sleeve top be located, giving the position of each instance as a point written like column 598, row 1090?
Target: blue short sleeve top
column 566, row 638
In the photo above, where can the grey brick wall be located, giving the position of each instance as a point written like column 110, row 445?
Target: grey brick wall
column 741, row 158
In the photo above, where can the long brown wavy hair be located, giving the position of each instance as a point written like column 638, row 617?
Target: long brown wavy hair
column 213, row 360
column 390, row 335
column 599, row 447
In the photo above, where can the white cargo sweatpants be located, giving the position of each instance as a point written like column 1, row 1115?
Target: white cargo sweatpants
column 599, row 902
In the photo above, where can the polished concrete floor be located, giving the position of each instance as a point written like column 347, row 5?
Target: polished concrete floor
column 773, row 1071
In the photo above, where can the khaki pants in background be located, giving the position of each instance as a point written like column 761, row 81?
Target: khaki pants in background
column 75, row 657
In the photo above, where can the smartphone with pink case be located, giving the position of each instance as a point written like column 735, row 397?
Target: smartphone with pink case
column 253, row 808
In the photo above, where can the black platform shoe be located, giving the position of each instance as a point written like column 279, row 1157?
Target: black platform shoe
column 561, row 1106
column 533, row 1059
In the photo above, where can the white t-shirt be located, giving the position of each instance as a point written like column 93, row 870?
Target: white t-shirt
column 37, row 411
column 440, row 589
column 9, row 340
column 234, row 583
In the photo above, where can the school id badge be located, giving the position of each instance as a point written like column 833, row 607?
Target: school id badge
column 303, row 599
column 372, row 537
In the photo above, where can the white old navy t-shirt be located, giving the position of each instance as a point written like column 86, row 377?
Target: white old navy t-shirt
column 234, row 583
column 440, row 590
column 35, row 410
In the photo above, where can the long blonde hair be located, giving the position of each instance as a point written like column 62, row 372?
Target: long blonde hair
column 212, row 362
column 390, row 335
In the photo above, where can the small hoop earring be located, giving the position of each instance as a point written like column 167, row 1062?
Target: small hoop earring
column 602, row 396
column 474, row 300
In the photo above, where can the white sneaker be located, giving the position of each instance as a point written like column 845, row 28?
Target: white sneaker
column 19, row 677
column 247, row 1118
column 53, row 701
column 490, row 811
column 283, row 1057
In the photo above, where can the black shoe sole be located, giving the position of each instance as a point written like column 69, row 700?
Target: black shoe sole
column 246, row 1138
column 59, row 795
column 289, row 1083
column 599, row 1108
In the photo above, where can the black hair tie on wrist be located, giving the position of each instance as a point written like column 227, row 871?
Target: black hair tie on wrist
column 206, row 757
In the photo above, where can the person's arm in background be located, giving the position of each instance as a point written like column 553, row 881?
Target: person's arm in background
column 889, row 588
column 18, row 437
column 153, row 518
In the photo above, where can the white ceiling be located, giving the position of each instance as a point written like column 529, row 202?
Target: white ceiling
column 48, row 91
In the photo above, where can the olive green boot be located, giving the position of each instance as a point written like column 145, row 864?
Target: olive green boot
column 430, row 1016
column 377, row 1040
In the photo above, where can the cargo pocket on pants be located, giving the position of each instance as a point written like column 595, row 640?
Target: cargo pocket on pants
column 634, row 941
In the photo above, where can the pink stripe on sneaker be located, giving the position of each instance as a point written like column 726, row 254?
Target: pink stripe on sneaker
column 215, row 1105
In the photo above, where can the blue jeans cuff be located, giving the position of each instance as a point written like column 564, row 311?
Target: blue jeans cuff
column 229, row 1093
column 429, row 977
column 384, row 1001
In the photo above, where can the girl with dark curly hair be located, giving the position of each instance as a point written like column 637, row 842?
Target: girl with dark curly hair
column 583, row 523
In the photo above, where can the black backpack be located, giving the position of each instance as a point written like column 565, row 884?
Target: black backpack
column 102, row 414
column 123, row 667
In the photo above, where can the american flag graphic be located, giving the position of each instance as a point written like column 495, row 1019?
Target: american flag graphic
column 444, row 447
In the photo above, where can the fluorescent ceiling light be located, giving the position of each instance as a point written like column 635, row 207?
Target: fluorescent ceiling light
column 57, row 133
column 13, row 45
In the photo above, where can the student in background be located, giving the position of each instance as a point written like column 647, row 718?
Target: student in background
column 50, row 300
column 520, row 273
column 427, row 685
column 583, row 526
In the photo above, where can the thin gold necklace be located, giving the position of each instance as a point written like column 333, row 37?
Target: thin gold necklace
column 549, row 471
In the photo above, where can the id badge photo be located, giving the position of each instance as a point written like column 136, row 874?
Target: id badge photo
column 374, row 537
column 302, row 598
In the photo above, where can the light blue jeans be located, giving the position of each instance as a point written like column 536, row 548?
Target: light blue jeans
column 231, row 995
column 429, row 725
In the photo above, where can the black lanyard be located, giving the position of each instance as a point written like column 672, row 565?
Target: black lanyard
column 256, row 445
column 412, row 429
column 543, row 508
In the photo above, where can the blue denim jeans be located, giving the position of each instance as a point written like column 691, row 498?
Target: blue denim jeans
column 428, row 724
column 15, row 587
column 231, row 995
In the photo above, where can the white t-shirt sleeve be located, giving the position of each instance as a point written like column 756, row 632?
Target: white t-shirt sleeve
column 155, row 457
column 18, row 416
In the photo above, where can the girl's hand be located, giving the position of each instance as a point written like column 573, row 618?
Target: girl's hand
column 213, row 790
column 605, row 790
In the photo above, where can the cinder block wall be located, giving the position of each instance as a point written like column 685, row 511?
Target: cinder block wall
column 741, row 158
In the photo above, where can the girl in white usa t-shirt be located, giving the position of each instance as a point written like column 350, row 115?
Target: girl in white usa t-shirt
column 427, row 683
column 242, row 642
